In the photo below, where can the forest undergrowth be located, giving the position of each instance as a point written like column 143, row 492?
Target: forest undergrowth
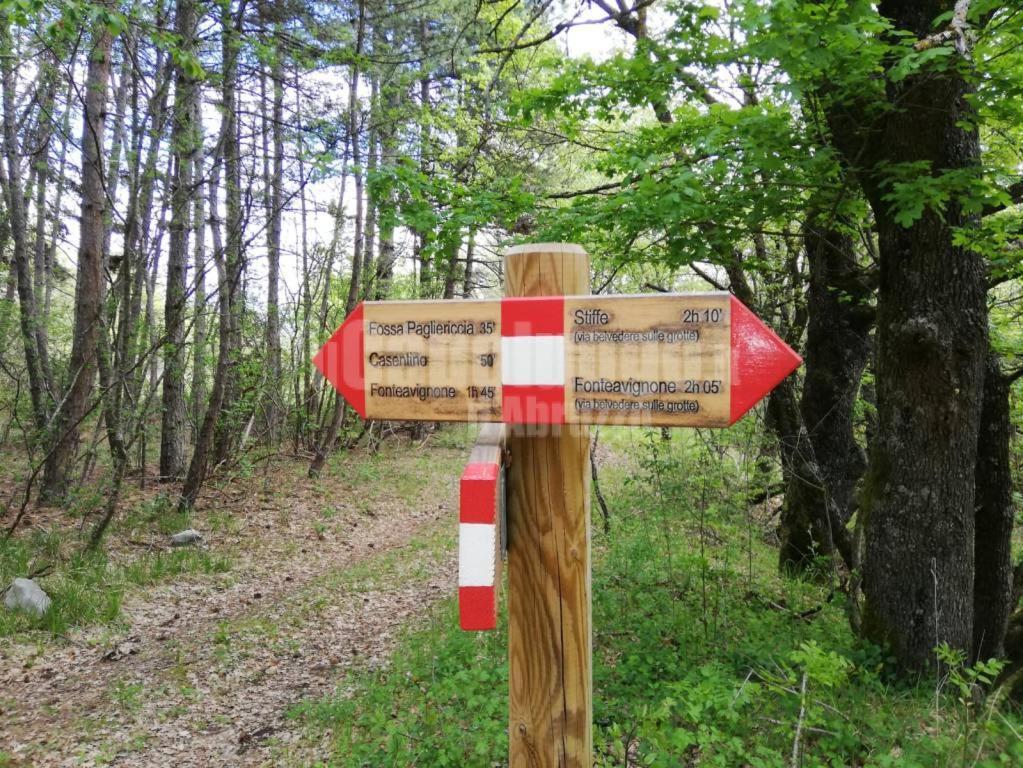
column 703, row 654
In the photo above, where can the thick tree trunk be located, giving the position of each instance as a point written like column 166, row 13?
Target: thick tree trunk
column 992, row 585
column 90, row 286
column 918, row 496
column 185, row 146
column 828, row 461
column 932, row 339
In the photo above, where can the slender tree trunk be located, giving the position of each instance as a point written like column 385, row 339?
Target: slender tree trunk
column 470, row 254
column 304, row 393
column 199, row 304
column 273, row 249
column 227, row 254
column 117, row 134
column 184, row 146
column 354, row 127
column 337, row 417
column 320, row 388
column 58, row 212
column 992, row 585
column 451, row 270
column 227, row 428
column 135, row 322
column 386, row 204
column 28, row 308
column 11, row 282
column 828, row 461
column 368, row 266
column 204, row 439
column 90, row 287
column 41, row 164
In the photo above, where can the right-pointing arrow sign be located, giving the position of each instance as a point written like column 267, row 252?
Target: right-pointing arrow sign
column 700, row 359
column 760, row 360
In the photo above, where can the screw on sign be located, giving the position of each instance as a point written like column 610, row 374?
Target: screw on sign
column 548, row 359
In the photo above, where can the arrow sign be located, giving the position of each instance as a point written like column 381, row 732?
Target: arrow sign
column 693, row 360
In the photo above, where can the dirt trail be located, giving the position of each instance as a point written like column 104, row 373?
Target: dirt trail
column 207, row 667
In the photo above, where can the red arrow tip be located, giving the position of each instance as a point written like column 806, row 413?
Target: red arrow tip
column 760, row 360
column 340, row 360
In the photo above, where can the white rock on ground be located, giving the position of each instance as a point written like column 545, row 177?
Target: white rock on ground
column 189, row 536
column 26, row 595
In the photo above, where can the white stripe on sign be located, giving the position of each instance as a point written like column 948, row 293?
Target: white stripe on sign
column 533, row 360
column 477, row 547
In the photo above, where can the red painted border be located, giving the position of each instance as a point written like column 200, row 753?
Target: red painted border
column 477, row 608
column 533, row 316
column 760, row 360
column 533, row 404
column 478, row 493
column 341, row 361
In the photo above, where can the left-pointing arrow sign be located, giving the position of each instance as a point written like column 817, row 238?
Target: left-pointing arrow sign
column 340, row 360
column 699, row 359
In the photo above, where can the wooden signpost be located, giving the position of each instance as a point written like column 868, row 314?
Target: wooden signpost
column 548, row 359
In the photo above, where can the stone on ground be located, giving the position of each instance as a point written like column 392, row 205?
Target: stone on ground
column 183, row 538
column 26, row 595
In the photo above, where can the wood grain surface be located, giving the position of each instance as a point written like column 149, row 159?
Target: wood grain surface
column 549, row 624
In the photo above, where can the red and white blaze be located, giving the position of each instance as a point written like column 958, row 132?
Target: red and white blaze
column 479, row 545
column 533, row 360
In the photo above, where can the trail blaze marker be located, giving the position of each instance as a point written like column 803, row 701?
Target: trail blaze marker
column 481, row 533
column 547, row 354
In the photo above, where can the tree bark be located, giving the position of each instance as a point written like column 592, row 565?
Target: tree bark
column 354, row 127
column 227, row 255
column 184, row 146
column 89, row 288
column 337, row 416
column 470, row 254
column 919, row 494
column 199, row 330
column 227, row 427
column 828, row 461
column 17, row 218
column 370, row 229
column 992, row 585
column 304, row 393
column 273, row 249
column 44, row 134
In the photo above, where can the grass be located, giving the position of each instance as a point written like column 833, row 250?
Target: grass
column 703, row 655
column 89, row 587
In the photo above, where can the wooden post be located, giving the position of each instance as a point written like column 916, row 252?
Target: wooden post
column 549, row 624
